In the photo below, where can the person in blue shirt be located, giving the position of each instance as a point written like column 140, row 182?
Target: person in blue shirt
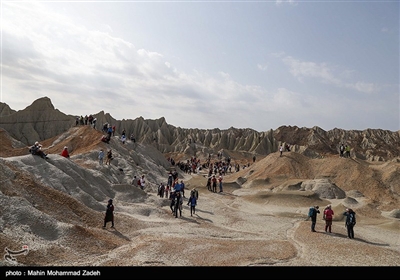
column 183, row 188
column 192, row 203
column 313, row 215
column 177, row 186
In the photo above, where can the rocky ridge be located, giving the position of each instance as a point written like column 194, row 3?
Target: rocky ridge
column 41, row 121
column 56, row 206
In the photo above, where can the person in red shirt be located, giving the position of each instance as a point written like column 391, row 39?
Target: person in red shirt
column 65, row 152
column 328, row 216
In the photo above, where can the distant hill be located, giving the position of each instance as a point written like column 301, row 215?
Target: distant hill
column 41, row 121
column 56, row 206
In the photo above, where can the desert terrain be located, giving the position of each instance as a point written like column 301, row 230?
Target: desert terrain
column 56, row 207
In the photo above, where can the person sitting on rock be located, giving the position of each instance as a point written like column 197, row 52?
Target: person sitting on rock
column 65, row 152
column 36, row 149
column 105, row 138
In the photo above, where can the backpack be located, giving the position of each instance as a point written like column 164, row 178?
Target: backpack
column 194, row 193
column 311, row 212
column 352, row 219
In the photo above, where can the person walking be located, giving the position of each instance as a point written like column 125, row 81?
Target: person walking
column 328, row 217
column 94, row 123
column 101, row 156
column 109, row 217
column 341, row 149
column 350, row 222
column 192, row 203
column 347, row 150
column 195, row 193
column 161, row 190
column 313, row 215
column 220, row 182
column 166, row 191
column 109, row 157
column 172, row 197
column 281, row 149
column 135, row 181
column 214, row 184
column 142, row 182
column 123, row 139
column 183, row 188
column 209, row 184
column 178, row 204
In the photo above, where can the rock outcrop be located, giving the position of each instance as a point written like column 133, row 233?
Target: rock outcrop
column 41, row 121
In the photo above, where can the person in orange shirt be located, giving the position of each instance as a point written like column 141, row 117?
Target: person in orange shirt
column 65, row 152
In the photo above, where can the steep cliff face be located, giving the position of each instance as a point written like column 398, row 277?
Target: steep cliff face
column 370, row 144
column 36, row 122
column 5, row 110
column 41, row 121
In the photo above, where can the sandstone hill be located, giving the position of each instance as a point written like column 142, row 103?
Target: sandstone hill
column 41, row 121
column 56, row 206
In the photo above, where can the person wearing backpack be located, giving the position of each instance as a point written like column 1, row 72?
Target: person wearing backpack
column 172, row 197
column 312, row 213
column 328, row 217
column 178, row 204
column 192, row 202
column 195, row 193
column 350, row 222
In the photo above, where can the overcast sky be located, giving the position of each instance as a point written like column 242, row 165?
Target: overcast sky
column 207, row 64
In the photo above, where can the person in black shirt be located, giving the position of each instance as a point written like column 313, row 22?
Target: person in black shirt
column 109, row 217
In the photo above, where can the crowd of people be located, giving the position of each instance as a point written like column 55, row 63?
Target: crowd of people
column 86, row 120
column 174, row 189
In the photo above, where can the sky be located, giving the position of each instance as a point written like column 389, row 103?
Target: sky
column 207, row 64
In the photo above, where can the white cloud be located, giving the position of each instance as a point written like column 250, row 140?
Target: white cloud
column 385, row 30
column 85, row 71
column 301, row 69
column 325, row 74
column 281, row 2
column 363, row 87
column 262, row 67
